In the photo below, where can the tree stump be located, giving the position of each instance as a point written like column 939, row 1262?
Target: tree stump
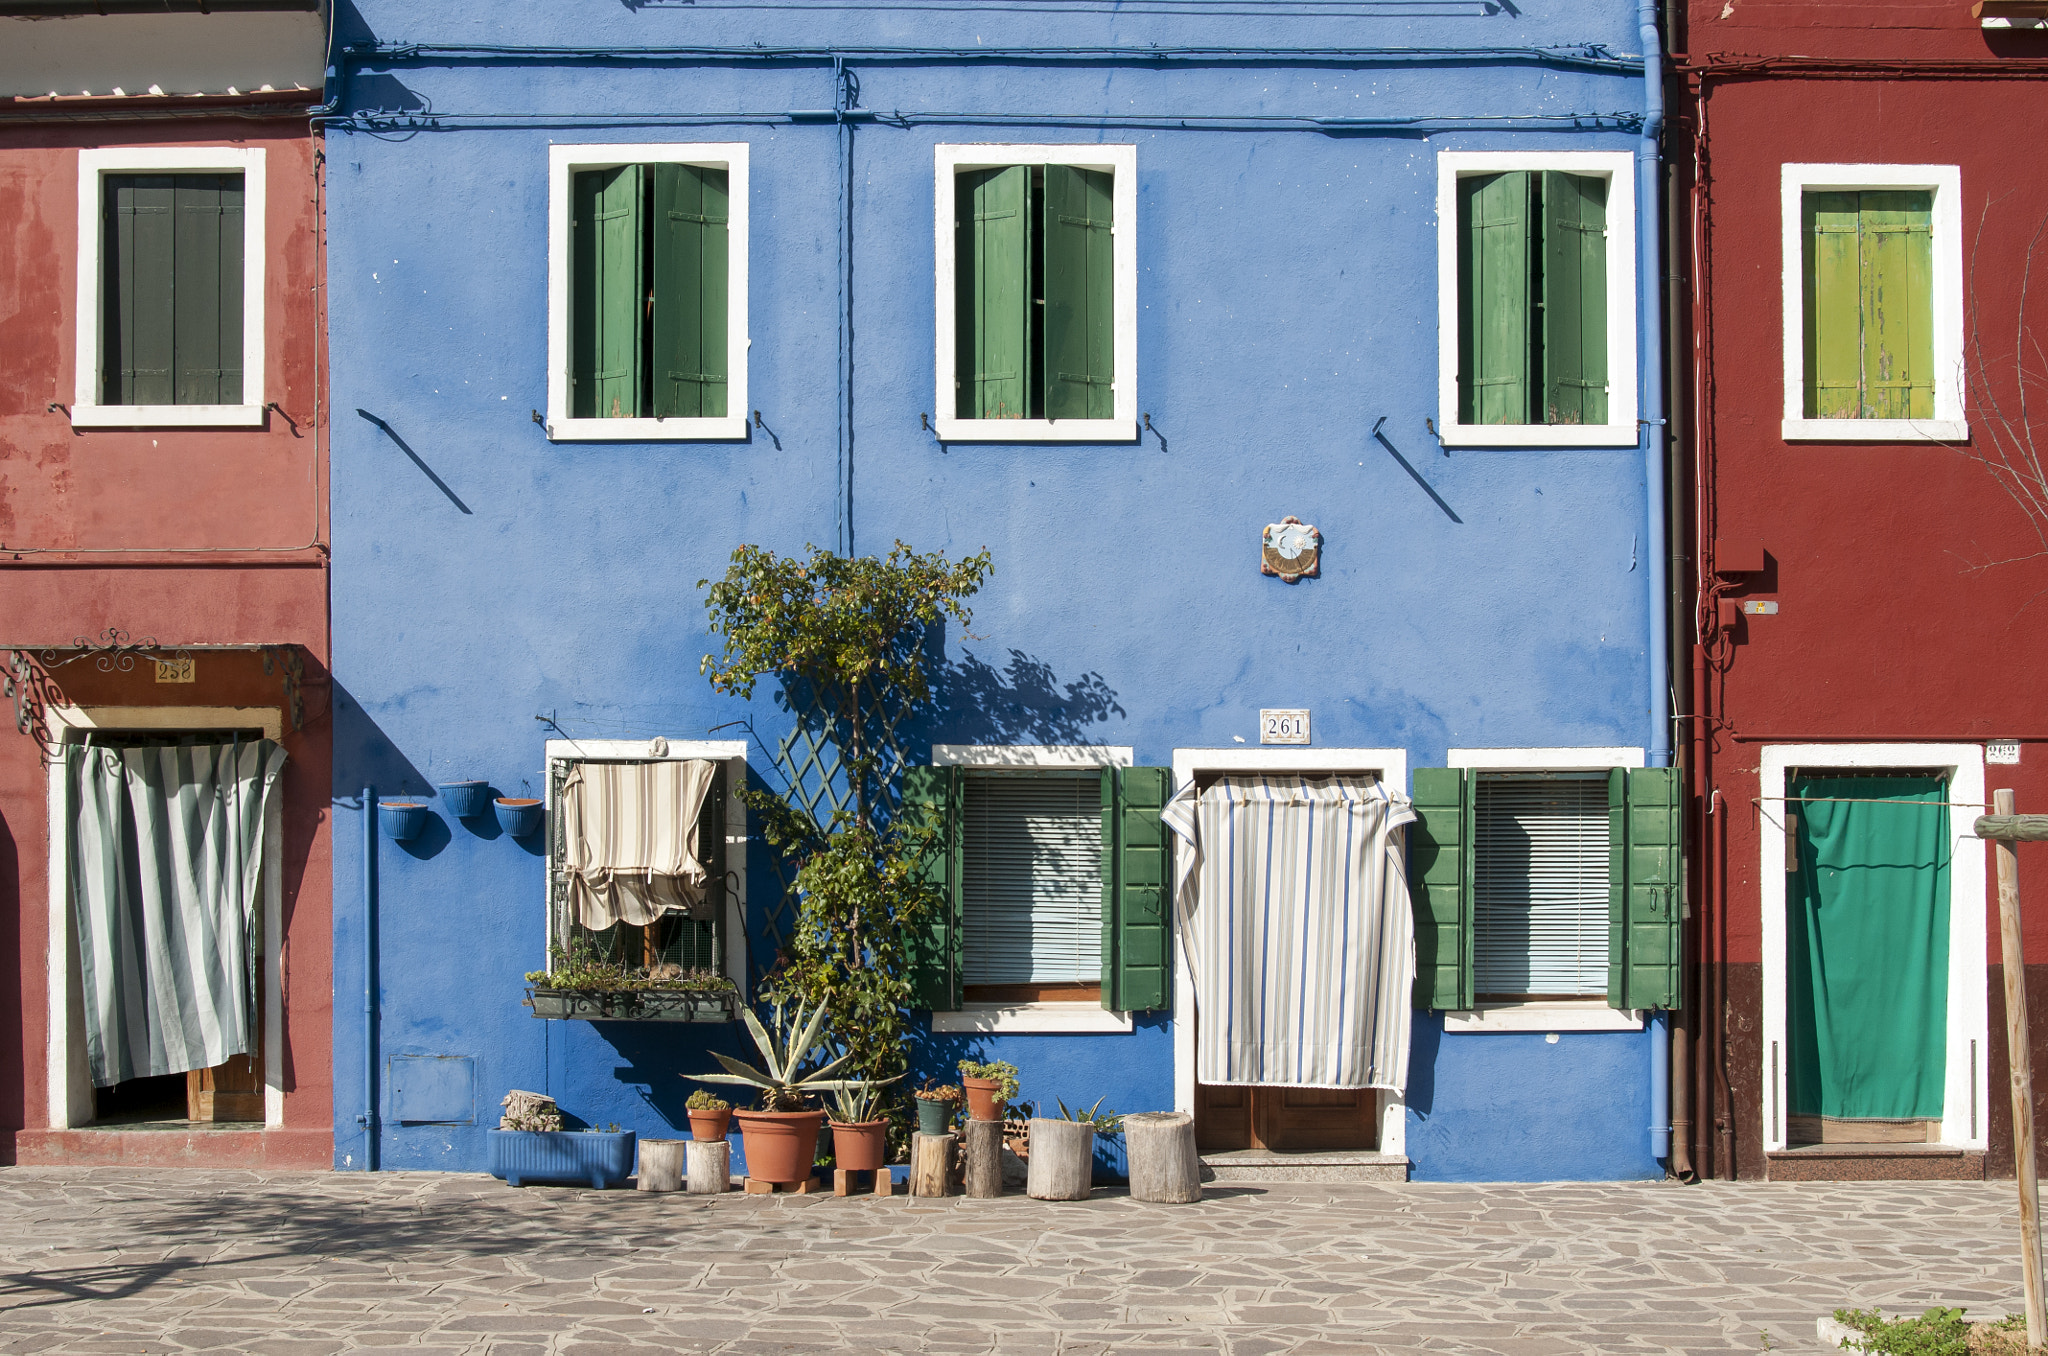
column 931, row 1164
column 1164, row 1165
column 983, row 1173
column 710, row 1166
column 1062, row 1160
column 661, row 1164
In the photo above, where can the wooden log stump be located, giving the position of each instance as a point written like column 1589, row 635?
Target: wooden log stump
column 710, row 1166
column 1164, row 1165
column 1062, row 1160
column 661, row 1164
column 931, row 1164
column 983, row 1172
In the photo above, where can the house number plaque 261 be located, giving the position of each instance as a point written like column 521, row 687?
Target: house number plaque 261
column 1283, row 727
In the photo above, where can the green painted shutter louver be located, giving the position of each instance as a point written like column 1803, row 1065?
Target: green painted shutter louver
column 1079, row 294
column 207, row 291
column 1646, row 874
column 1494, row 237
column 605, row 293
column 931, row 796
column 992, row 282
column 1440, row 887
column 171, row 284
column 1137, row 868
column 691, row 214
column 1869, row 304
column 1574, row 299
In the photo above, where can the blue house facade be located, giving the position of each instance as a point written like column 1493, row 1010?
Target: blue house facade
column 1113, row 291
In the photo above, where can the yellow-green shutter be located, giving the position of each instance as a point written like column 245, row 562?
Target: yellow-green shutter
column 691, row 211
column 931, row 798
column 1645, row 887
column 1440, row 889
column 1137, row 871
column 1495, row 226
column 606, row 297
column 1079, row 293
column 1869, row 302
column 1574, row 230
column 992, row 287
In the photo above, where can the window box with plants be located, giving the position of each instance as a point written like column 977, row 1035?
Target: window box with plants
column 583, row 987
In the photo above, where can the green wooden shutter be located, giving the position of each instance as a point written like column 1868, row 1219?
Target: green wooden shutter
column 690, row 280
column 992, row 284
column 138, row 321
column 931, row 796
column 1896, row 244
column 1574, row 299
column 1137, row 868
column 207, row 290
column 1080, row 367
column 1833, row 305
column 605, row 293
column 1494, row 229
column 1645, row 887
column 1440, row 887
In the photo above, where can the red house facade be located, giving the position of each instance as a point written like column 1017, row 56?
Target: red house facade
column 1867, row 531
column 163, row 540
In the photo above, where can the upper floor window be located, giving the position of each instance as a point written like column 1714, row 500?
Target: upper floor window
column 1537, row 281
column 1873, row 302
column 170, row 287
column 647, row 292
column 1037, row 292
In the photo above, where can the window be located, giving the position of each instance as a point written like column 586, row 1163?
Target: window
column 1536, row 276
column 170, row 288
column 1037, row 293
column 1031, row 885
column 1873, row 302
column 1540, row 886
column 647, row 284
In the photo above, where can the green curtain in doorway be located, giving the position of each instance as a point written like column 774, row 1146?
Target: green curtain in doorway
column 1866, row 934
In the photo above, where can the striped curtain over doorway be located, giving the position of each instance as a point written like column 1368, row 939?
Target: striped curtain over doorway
column 165, row 864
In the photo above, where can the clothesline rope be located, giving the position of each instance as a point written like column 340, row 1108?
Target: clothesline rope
column 1861, row 800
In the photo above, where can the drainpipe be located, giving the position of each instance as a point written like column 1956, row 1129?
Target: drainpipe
column 369, row 1117
column 1660, row 1086
column 1650, row 375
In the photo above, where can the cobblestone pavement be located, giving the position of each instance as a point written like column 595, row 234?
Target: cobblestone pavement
column 149, row 1260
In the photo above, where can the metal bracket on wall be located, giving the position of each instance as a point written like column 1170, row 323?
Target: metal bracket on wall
column 293, row 664
column 34, row 691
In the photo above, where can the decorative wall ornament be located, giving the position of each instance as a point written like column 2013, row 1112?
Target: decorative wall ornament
column 1291, row 549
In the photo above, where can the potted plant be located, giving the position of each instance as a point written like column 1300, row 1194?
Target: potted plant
column 1062, row 1162
column 582, row 985
column 990, row 1087
column 780, row 1139
column 860, row 1138
column 935, row 1106
column 710, row 1116
column 530, row 1145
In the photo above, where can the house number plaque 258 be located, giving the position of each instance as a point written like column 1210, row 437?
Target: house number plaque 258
column 1283, row 727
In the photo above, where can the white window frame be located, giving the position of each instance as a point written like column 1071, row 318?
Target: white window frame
column 732, row 753
column 1966, row 1091
column 1618, row 168
column 1548, row 1015
column 564, row 161
column 93, row 167
column 1945, row 182
column 1018, row 1019
column 1391, row 767
column 1121, row 162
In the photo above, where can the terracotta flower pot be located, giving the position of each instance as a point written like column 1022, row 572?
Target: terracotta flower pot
column 710, row 1125
column 860, row 1146
column 780, row 1145
column 983, row 1103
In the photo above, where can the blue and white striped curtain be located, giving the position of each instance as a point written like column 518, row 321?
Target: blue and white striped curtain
column 165, row 864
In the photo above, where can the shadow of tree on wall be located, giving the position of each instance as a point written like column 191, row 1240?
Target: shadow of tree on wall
column 1022, row 702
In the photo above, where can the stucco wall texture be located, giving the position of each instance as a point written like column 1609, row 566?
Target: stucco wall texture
column 1286, row 302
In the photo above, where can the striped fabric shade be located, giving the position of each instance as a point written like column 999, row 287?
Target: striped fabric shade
column 1540, row 869
column 1031, row 880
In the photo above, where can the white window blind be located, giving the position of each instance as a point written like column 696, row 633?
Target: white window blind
column 1540, row 871
column 1031, row 880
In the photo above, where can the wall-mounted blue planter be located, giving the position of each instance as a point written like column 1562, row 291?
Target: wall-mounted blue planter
column 591, row 1158
column 465, row 800
column 401, row 820
column 517, row 816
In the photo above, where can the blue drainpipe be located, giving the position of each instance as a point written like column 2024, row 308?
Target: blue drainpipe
column 371, row 1133
column 1660, row 1085
column 1650, row 374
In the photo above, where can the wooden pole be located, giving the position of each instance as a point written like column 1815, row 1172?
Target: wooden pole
column 931, row 1164
column 984, row 1158
column 2019, row 1058
column 661, row 1164
column 1160, row 1146
column 708, row 1165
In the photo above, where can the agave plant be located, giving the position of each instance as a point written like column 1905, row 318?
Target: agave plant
column 783, row 1082
column 856, row 1105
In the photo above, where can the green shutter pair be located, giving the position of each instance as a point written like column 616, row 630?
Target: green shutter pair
column 1645, row 885
column 648, row 292
column 1532, row 298
column 1137, row 862
column 1033, row 278
column 1869, row 282
column 171, row 289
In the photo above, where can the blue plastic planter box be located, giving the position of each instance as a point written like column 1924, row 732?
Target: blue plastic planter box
column 594, row 1159
column 466, row 800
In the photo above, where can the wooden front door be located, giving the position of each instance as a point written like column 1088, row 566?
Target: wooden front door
column 1285, row 1120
